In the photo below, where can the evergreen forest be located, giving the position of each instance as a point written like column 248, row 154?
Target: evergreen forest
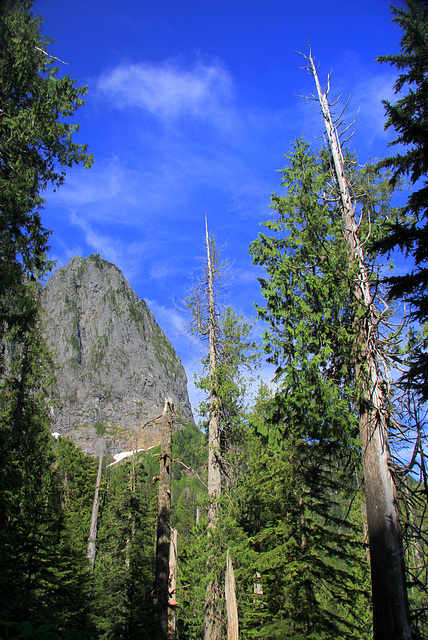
column 295, row 509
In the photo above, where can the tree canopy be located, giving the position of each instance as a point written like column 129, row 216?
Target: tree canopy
column 408, row 231
column 36, row 144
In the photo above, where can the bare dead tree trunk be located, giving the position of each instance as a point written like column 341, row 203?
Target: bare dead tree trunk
column 390, row 607
column 214, row 479
column 257, row 587
column 172, row 599
column 231, row 604
column 95, row 505
column 163, row 526
column 213, row 591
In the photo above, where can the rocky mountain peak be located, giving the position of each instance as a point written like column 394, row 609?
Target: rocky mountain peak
column 114, row 364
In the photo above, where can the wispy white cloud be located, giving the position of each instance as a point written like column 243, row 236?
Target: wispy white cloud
column 368, row 95
column 130, row 256
column 170, row 318
column 166, row 180
column 102, row 243
column 166, row 90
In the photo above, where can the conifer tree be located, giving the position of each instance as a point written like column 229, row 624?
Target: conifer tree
column 73, row 476
column 163, row 534
column 24, row 480
column 390, row 604
column 229, row 351
column 36, row 145
column 408, row 116
column 125, row 562
column 35, row 149
column 299, row 545
column 325, row 339
column 41, row 576
column 205, row 311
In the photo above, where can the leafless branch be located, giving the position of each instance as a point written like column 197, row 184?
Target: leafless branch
column 50, row 56
column 191, row 471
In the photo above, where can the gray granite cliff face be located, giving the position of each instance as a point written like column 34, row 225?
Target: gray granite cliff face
column 115, row 366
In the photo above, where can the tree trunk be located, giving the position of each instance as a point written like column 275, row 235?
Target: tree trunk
column 231, row 605
column 213, row 592
column 95, row 505
column 172, row 595
column 257, row 587
column 390, row 608
column 214, row 479
column 163, row 526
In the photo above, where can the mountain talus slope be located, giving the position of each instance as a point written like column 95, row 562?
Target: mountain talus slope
column 115, row 366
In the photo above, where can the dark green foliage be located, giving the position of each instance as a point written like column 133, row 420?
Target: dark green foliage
column 36, row 145
column 76, row 474
column 189, row 449
column 26, row 522
column 195, row 551
column 100, row 428
column 310, row 310
column 40, row 582
column 294, row 524
column 36, row 137
column 409, row 117
column 188, row 446
column 300, row 546
column 237, row 358
column 307, row 302
column 413, row 513
column 124, row 564
column 42, row 550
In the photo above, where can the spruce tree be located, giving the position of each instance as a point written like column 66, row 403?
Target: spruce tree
column 230, row 352
column 36, row 570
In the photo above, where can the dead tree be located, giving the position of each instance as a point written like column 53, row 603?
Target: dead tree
column 205, row 309
column 230, row 597
column 95, row 505
column 214, row 479
column 213, row 591
column 163, row 524
column 389, row 595
column 172, row 595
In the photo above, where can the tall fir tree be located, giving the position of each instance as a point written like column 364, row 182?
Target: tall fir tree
column 36, row 146
column 42, row 567
column 318, row 320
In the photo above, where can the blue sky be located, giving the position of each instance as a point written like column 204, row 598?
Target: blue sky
column 191, row 107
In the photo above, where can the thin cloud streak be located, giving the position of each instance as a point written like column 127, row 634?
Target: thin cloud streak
column 103, row 244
